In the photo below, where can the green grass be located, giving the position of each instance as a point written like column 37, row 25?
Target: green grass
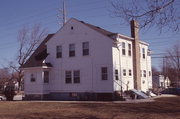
column 163, row 108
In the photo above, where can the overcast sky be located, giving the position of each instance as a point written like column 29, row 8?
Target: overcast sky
column 16, row 13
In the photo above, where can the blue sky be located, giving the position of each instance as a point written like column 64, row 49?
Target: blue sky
column 16, row 13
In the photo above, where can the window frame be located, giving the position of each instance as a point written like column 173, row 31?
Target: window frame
column 68, row 77
column 85, row 51
column 116, row 74
column 46, row 76
column 129, row 49
column 130, row 72
column 72, row 51
column 33, row 79
column 104, row 73
column 76, row 78
column 58, row 51
column 124, row 72
column 143, row 53
column 144, row 73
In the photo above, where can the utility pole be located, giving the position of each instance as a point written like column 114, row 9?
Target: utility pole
column 62, row 15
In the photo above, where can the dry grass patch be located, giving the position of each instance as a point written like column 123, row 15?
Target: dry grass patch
column 163, row 108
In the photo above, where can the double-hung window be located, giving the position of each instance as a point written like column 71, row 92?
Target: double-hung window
column 104, row 73
column 85, row 46
column 124, row 72
column 76, row 74
column 123, row 48
column 143, row 53
column 58, row 51
column 71, row 50
column 68, row 77
column 116, row 74
column 46, row 77
column 33, row 78
column 129, row 49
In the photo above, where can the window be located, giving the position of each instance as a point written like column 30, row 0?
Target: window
column 144, row 73
column 76, row 76
column 58, row 51
column 141, row 73
column 46, row 77
column 71, row 50
column 143, row 53
column 104, row 73
column 149, row 73
column 85, row 46
column 129, row 49
column 116, row 74
column 124, row 72
column 123, row 48
column 68, row 77
column 130, row 72
column 33, row 78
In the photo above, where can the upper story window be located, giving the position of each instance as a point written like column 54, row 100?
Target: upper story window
column 149, row 73
column 124, row 72
column 143, row 53
column 76, row 76
column 68, row 78
column 58, row 51
column 144, row 73
column 85, row 46
column 71, row 50
column 123, row 48
column 130, row 72
column 33, row 79
column 104, row 73
column 46, row 77
column 116, row 74
column 129, row 49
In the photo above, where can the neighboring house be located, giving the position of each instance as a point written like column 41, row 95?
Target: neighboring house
column 86, row 62
column 160, row 81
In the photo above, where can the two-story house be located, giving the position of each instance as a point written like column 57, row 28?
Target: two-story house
column 85, row 62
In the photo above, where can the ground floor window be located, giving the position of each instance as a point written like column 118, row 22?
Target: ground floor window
column 33, row 79
column 46, row 76
column 76, row 77
column 116, row 74
column 104, row 73
column 68, row 78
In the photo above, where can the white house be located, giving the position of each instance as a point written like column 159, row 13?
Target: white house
column 85, row 62
column 160, row 81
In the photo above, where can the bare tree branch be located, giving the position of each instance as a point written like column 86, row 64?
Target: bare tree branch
column 159, row 13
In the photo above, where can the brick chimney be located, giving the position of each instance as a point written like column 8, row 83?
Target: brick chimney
column 136, row 54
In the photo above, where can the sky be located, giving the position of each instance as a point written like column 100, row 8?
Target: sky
column 14, row 14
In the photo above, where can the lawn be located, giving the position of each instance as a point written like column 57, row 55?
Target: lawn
column 162, row 108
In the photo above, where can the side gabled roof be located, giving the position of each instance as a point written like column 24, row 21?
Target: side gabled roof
column 100, row 30
column 36, row 59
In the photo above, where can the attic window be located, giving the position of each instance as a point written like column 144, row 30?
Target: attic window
column 72, row 27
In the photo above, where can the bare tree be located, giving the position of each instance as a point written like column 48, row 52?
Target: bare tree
column 158, row 13
column 173, row 63
column 28, row 39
